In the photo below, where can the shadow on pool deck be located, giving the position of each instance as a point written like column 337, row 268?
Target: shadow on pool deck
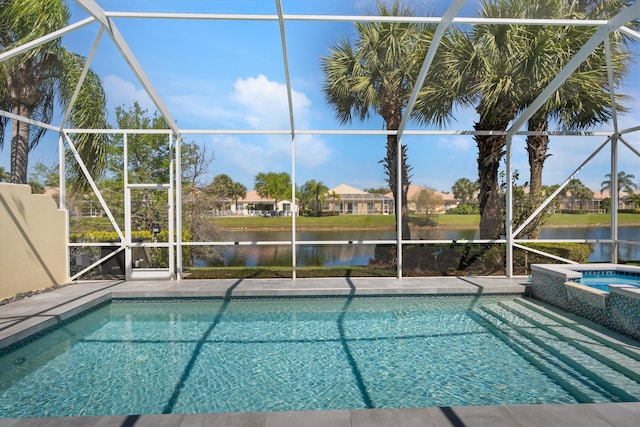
column 22, row 318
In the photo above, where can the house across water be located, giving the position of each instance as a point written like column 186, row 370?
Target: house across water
column 346, row 200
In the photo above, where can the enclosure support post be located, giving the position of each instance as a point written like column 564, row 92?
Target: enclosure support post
column 398, row 212
column 127, row 208
column 287, row 76
column 613, row 191
column 177, row 202
column 508, row 226
column 62, row 203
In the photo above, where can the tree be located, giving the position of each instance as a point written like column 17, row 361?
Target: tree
column 238, row 191
column 43, row 176
column 578, row 192
column 427, row 201
column 376, row 74
column 148, row 162
column 273, row 185
column 313, row 194
column 523, row 204
column 501, row 69
column 464, row 189
column 4, row 175
column 224, row 188
column 221, row 188
column 195, row 163
column 547, row 190
column 47, row 176
column 625, row 183
column 32, row 82
column 379, row 190
column 480, row 67
column 633, row 199
column 148, row 154
column 584, row 99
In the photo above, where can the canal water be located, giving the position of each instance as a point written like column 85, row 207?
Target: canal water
column 340, row 255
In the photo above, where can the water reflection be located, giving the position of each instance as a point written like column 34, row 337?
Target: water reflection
column 340, row 255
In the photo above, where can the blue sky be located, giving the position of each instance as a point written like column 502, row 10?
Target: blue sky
column 230, row 75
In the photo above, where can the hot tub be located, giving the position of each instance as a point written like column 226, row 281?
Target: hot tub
column 617, row 307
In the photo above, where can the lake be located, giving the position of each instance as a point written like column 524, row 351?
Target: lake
column 339, row 255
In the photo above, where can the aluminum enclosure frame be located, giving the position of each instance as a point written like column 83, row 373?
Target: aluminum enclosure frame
column 105, row 20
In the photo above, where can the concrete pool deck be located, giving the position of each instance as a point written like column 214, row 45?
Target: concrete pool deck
column 30, row 315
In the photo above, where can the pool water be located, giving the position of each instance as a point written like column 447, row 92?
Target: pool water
column 602, row 280
column 201, row 356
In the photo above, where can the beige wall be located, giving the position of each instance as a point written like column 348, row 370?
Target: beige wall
column 32, row 241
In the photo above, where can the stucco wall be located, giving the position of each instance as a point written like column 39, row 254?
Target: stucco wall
column 32, row 241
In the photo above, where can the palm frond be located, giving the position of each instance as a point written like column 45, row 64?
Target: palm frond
column 88, row 112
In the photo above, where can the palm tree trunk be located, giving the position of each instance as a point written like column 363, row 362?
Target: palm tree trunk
column 537, row 147
column 20, row 145
column 391, row 112
column 490, row 152
column 391, row 164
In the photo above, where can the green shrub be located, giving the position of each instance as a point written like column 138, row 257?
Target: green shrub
column 465, row 209
column 285, row 272
column 522, row 259
column 159, row 257
column 475, row 259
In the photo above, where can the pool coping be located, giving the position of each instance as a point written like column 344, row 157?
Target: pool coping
column 30, row 315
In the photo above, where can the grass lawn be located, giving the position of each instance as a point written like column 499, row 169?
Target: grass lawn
column 339, row 221
column 388, row 221
column 86, row 224
column 591, row 219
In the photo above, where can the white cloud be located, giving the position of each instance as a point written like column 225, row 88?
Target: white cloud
column 311, row 151
column 194, row 110
column 256, row 102
column 244, row 157
column 247, row 157
column 265, row 103
column 123, row 92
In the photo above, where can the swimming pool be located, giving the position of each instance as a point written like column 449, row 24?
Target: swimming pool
column 195, row 356
column 602, row 279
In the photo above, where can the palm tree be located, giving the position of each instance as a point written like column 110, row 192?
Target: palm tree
column 237, row 191
column 579, row 192
column 376, row 74
column 336, row 198
column 464, row 189
column 625, row 183
column 634, row 199
column 221, row 187
column 583, row 100
column 500, row 70
column 32, row 82
column 481, row 67
column 315, row 192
